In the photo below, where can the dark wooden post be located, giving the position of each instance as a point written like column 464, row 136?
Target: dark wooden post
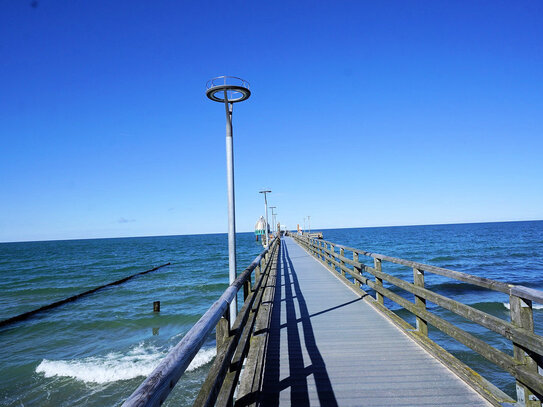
column 418, row 279
column 156, row 306
column 342, row 254
column 378, row 281
column 523, row 317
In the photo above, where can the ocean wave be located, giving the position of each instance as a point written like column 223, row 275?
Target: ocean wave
column 443, row 258
column 534, row 306
column 454, row 287
column 116, row 366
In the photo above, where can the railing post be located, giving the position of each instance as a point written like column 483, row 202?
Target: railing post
column 321, row 253
column 332, row 256
column 522, row 316
column 246, row 289
column 324, row 255
column 418, row 280
column 342, row 254
column 356, row 268
column 257, row 273
column 378, row 281
column 222, row 330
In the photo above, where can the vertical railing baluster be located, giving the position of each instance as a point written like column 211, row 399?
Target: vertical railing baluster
column 321, row 251
column 523, row 317
column 257, row 273
column 357, row 269
column 222, row 330
column 332, row 250
column 246, row 289
column 324, row 255
column 418, row 280
column 378, row 281
column 342, row 254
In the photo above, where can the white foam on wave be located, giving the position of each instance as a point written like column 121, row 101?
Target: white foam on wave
column 115, row 366
column 534, row 306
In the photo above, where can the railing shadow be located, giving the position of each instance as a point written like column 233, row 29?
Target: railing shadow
column 297, row 380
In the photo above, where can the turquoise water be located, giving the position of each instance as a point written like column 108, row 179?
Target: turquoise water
column 96, row 351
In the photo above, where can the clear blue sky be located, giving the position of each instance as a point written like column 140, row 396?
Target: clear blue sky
column 362, row 114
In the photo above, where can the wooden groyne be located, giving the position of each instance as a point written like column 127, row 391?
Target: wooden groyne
column 30, row 314
column 309, row 334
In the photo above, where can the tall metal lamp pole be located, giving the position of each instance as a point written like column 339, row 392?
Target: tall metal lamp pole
column 274, row 226
column 266, row 210
column 229, row 90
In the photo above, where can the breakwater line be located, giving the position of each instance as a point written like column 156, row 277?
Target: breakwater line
column 29, row 314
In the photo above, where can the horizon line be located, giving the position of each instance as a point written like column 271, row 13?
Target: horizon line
column 225, row 233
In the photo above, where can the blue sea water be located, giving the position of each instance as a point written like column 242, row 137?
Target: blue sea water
column 97, row 350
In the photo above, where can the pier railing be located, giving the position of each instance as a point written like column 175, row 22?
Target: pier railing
column 232, row 341
column 526, row 362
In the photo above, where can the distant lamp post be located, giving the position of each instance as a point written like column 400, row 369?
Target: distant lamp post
column 308, row 224
column 229, row 90
column 274, row 228
column 266, row 210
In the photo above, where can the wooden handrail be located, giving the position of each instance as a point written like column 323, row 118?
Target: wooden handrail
column 494, row 285
column 158, row 385
column 220, row 383
column 529, row 340
column 524, row 365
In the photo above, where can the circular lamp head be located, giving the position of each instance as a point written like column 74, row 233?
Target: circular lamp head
column 228, row 89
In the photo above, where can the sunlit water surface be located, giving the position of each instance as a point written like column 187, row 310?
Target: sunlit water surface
column 97, row 350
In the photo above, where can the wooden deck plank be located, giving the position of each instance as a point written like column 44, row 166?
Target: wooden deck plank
column 328, row 347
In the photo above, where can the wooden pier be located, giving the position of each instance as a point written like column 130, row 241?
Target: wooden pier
column 328, row 347
column 308, row 334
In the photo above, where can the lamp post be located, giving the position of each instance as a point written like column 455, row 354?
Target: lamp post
column 274, row 227
column 266, row 210
column 229, row 90
column 309, row 223
column 303, row 230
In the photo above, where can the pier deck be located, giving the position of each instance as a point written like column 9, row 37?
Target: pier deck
column 329, row 347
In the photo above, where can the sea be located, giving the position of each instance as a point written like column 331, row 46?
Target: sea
column 97, row 350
